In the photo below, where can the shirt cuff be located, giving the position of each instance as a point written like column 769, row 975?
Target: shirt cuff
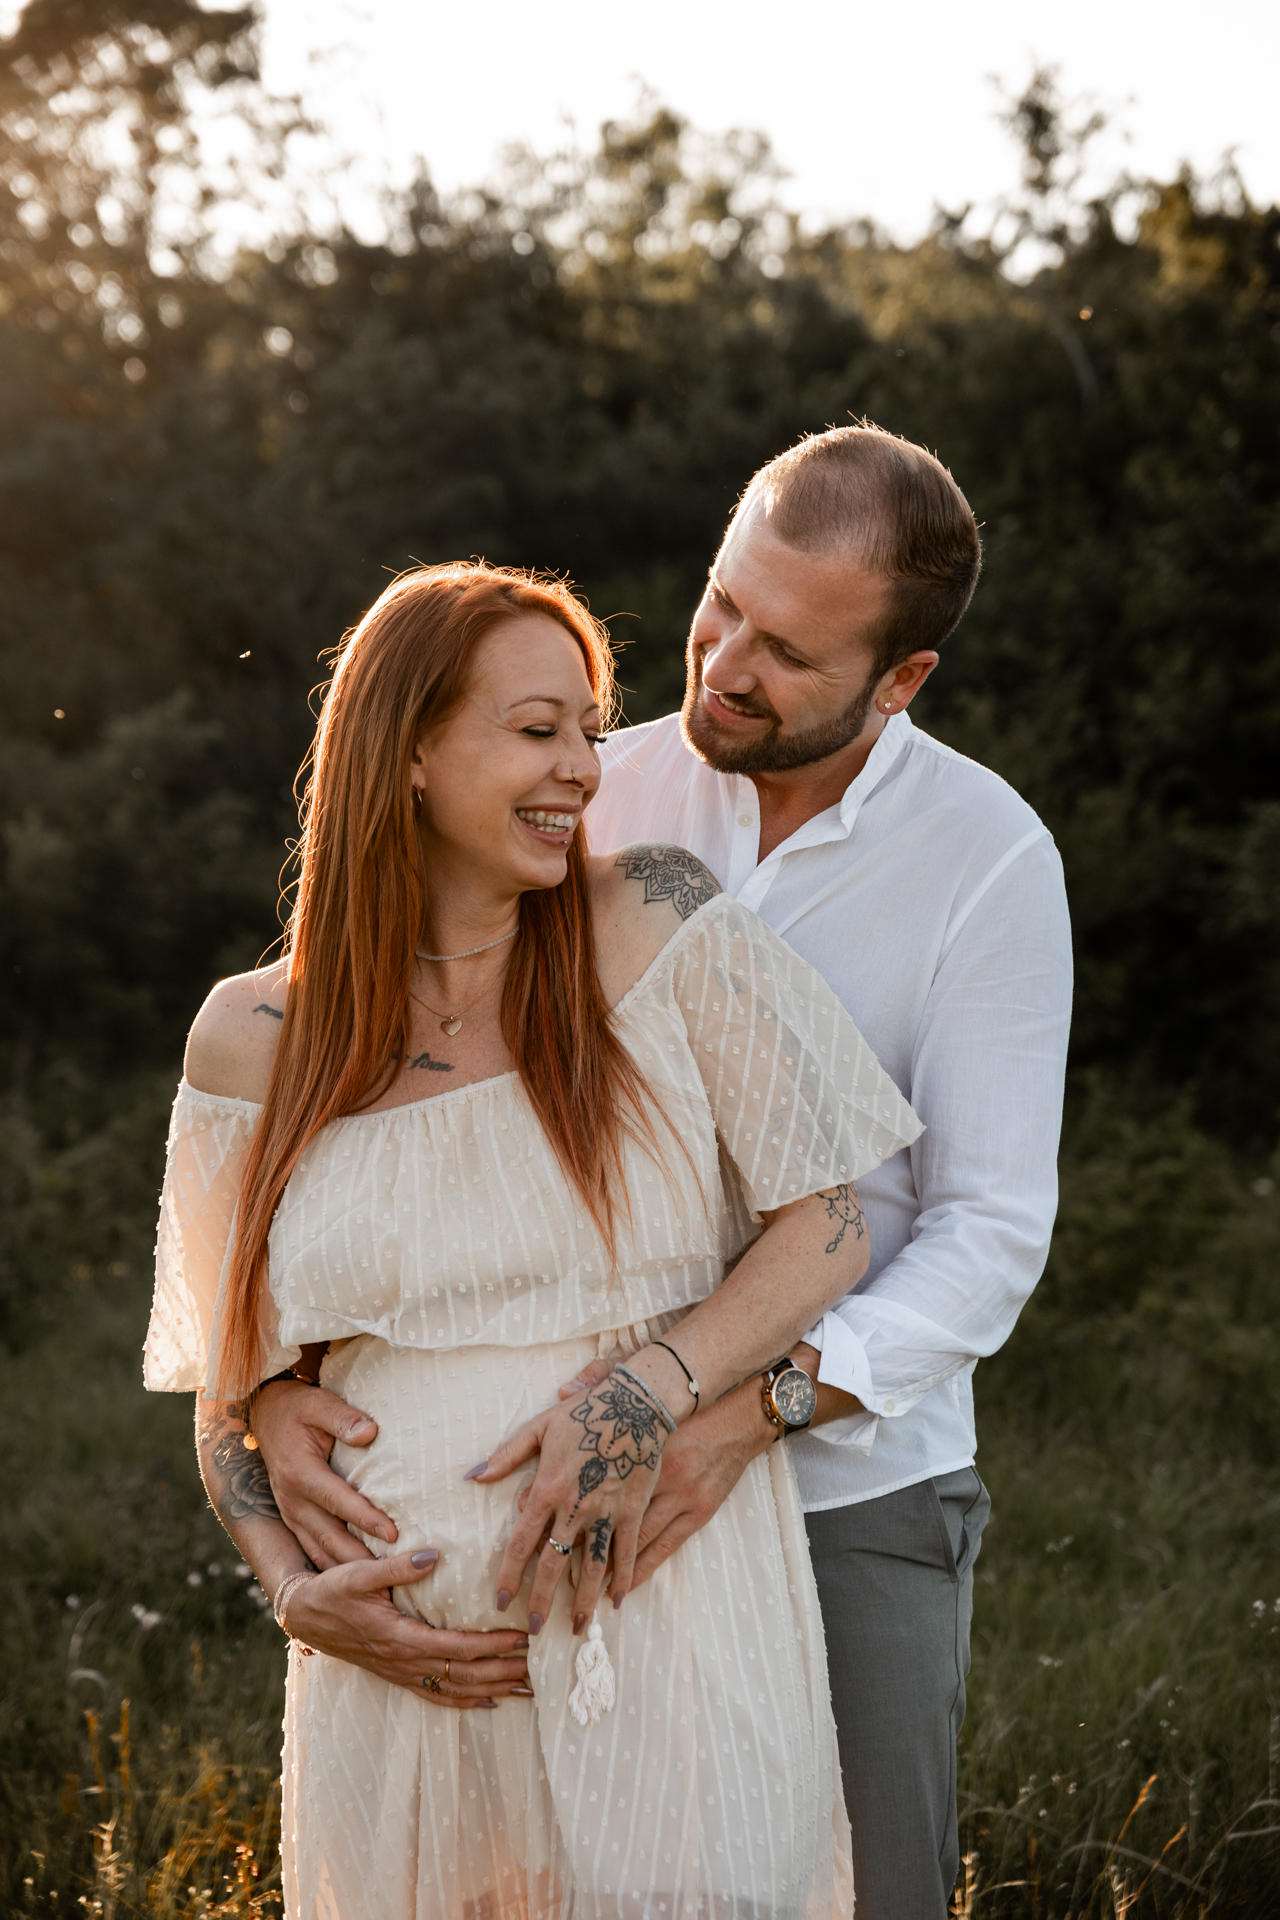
column 844, row 1364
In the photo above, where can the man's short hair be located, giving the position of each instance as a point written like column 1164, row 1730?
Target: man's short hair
column 890, row 505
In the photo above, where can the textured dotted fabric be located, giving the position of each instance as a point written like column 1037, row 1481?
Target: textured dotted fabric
column 441, row 1250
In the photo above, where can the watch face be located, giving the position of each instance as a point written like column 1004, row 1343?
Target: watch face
column 795, row 1397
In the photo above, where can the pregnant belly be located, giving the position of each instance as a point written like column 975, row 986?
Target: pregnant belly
column 438, row 1415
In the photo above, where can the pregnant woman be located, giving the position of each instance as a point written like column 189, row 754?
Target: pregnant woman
column 501, row 1110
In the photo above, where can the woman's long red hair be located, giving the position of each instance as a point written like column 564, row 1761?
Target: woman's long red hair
column 358, row 917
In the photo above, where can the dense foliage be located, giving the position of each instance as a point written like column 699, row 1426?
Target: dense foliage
column 208, row 466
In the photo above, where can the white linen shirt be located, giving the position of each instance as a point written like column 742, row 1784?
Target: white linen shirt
column 932, row 901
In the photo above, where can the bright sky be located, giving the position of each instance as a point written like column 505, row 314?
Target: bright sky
column 878, row 108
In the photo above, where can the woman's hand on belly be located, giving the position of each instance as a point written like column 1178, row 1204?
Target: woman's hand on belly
column 348, row 1613
column 598, row 1462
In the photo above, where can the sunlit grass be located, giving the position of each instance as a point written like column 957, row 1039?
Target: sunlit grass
column 1124, row 1733
column 1120, row 1754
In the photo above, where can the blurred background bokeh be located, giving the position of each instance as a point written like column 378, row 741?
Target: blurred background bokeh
column 212, row 455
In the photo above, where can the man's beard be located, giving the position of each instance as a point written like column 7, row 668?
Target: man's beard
column 774, row 751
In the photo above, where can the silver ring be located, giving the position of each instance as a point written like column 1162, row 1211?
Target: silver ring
column 558, row 1547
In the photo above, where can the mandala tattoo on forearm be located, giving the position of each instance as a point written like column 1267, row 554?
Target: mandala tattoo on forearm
column 670, row 873
column 843, row 1205
column 599, row 1533
column 622, row 1431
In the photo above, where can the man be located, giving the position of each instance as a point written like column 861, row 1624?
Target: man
column 931, row 898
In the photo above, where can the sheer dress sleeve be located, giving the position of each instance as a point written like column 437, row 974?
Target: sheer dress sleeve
column 208, row 1138
column 800, row 1101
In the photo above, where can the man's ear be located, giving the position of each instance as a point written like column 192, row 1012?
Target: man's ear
column 899, row 687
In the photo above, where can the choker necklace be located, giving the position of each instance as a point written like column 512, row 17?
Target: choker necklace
column 470, row 950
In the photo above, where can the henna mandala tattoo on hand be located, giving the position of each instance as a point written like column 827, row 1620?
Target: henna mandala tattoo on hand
column 843, row 1205
column 600, row 1531
column 670, row 873
column 622, row 1431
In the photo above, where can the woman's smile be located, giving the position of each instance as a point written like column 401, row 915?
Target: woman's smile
column 548, row 824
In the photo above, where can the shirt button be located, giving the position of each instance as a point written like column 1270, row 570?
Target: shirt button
column 889, row 1405
column 746, row 819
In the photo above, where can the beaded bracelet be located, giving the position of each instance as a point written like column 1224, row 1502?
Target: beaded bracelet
column 649, row 1394
column 284, row 1593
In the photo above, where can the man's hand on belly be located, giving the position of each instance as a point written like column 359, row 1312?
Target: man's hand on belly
column 295, row 1427
column 703, row 1463
column 708, row 1455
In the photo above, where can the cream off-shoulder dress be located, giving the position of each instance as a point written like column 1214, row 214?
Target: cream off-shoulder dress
column 439, row 1249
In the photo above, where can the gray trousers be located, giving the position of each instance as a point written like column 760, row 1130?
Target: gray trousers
column 895, row 1581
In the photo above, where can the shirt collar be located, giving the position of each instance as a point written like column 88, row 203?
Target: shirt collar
column 892, row 742
column 750, row 885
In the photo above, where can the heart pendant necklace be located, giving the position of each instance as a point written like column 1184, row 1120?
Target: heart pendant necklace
column 451, row 1023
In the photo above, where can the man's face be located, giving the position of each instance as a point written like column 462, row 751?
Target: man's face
column 779, row 674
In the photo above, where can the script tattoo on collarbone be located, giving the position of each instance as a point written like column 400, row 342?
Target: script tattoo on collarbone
column 424, row 1060
column 670, row 873
column 621, row 1431
column 843, row 1205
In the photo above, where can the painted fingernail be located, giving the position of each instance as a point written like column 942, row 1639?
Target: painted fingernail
column 535, row 1623
column 525, row 1693
column 476, row 1471
column 484, row 1703
column 425, row 1557
column 618, row 1599
column 504, row 1599
column 522, row 1644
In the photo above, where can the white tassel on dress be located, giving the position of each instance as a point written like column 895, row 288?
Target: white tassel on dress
column 596, row 1689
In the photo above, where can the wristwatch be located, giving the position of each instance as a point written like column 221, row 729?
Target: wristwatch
column 788, row 1396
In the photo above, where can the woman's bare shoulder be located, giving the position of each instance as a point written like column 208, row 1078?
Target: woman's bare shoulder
column 233, row 1039
column 643, row 894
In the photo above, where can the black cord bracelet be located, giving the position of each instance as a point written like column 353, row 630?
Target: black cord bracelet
column 693, row 1385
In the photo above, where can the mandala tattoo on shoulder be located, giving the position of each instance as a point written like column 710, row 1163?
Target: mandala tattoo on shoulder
column 844, row 1206
column 621, row 1431
column 670, row 873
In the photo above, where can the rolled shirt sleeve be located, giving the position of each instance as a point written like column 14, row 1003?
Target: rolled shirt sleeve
column 987, row 1079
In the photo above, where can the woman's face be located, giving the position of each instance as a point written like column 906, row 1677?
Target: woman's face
column 505, row 780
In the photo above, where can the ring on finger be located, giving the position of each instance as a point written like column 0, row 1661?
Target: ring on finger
column 559, row 1548
column 447, row 1665
column 432, row 1683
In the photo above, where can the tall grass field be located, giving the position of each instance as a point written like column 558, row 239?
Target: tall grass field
column 1121, row 1754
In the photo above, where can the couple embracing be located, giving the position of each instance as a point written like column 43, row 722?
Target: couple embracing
column 581, row 1252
